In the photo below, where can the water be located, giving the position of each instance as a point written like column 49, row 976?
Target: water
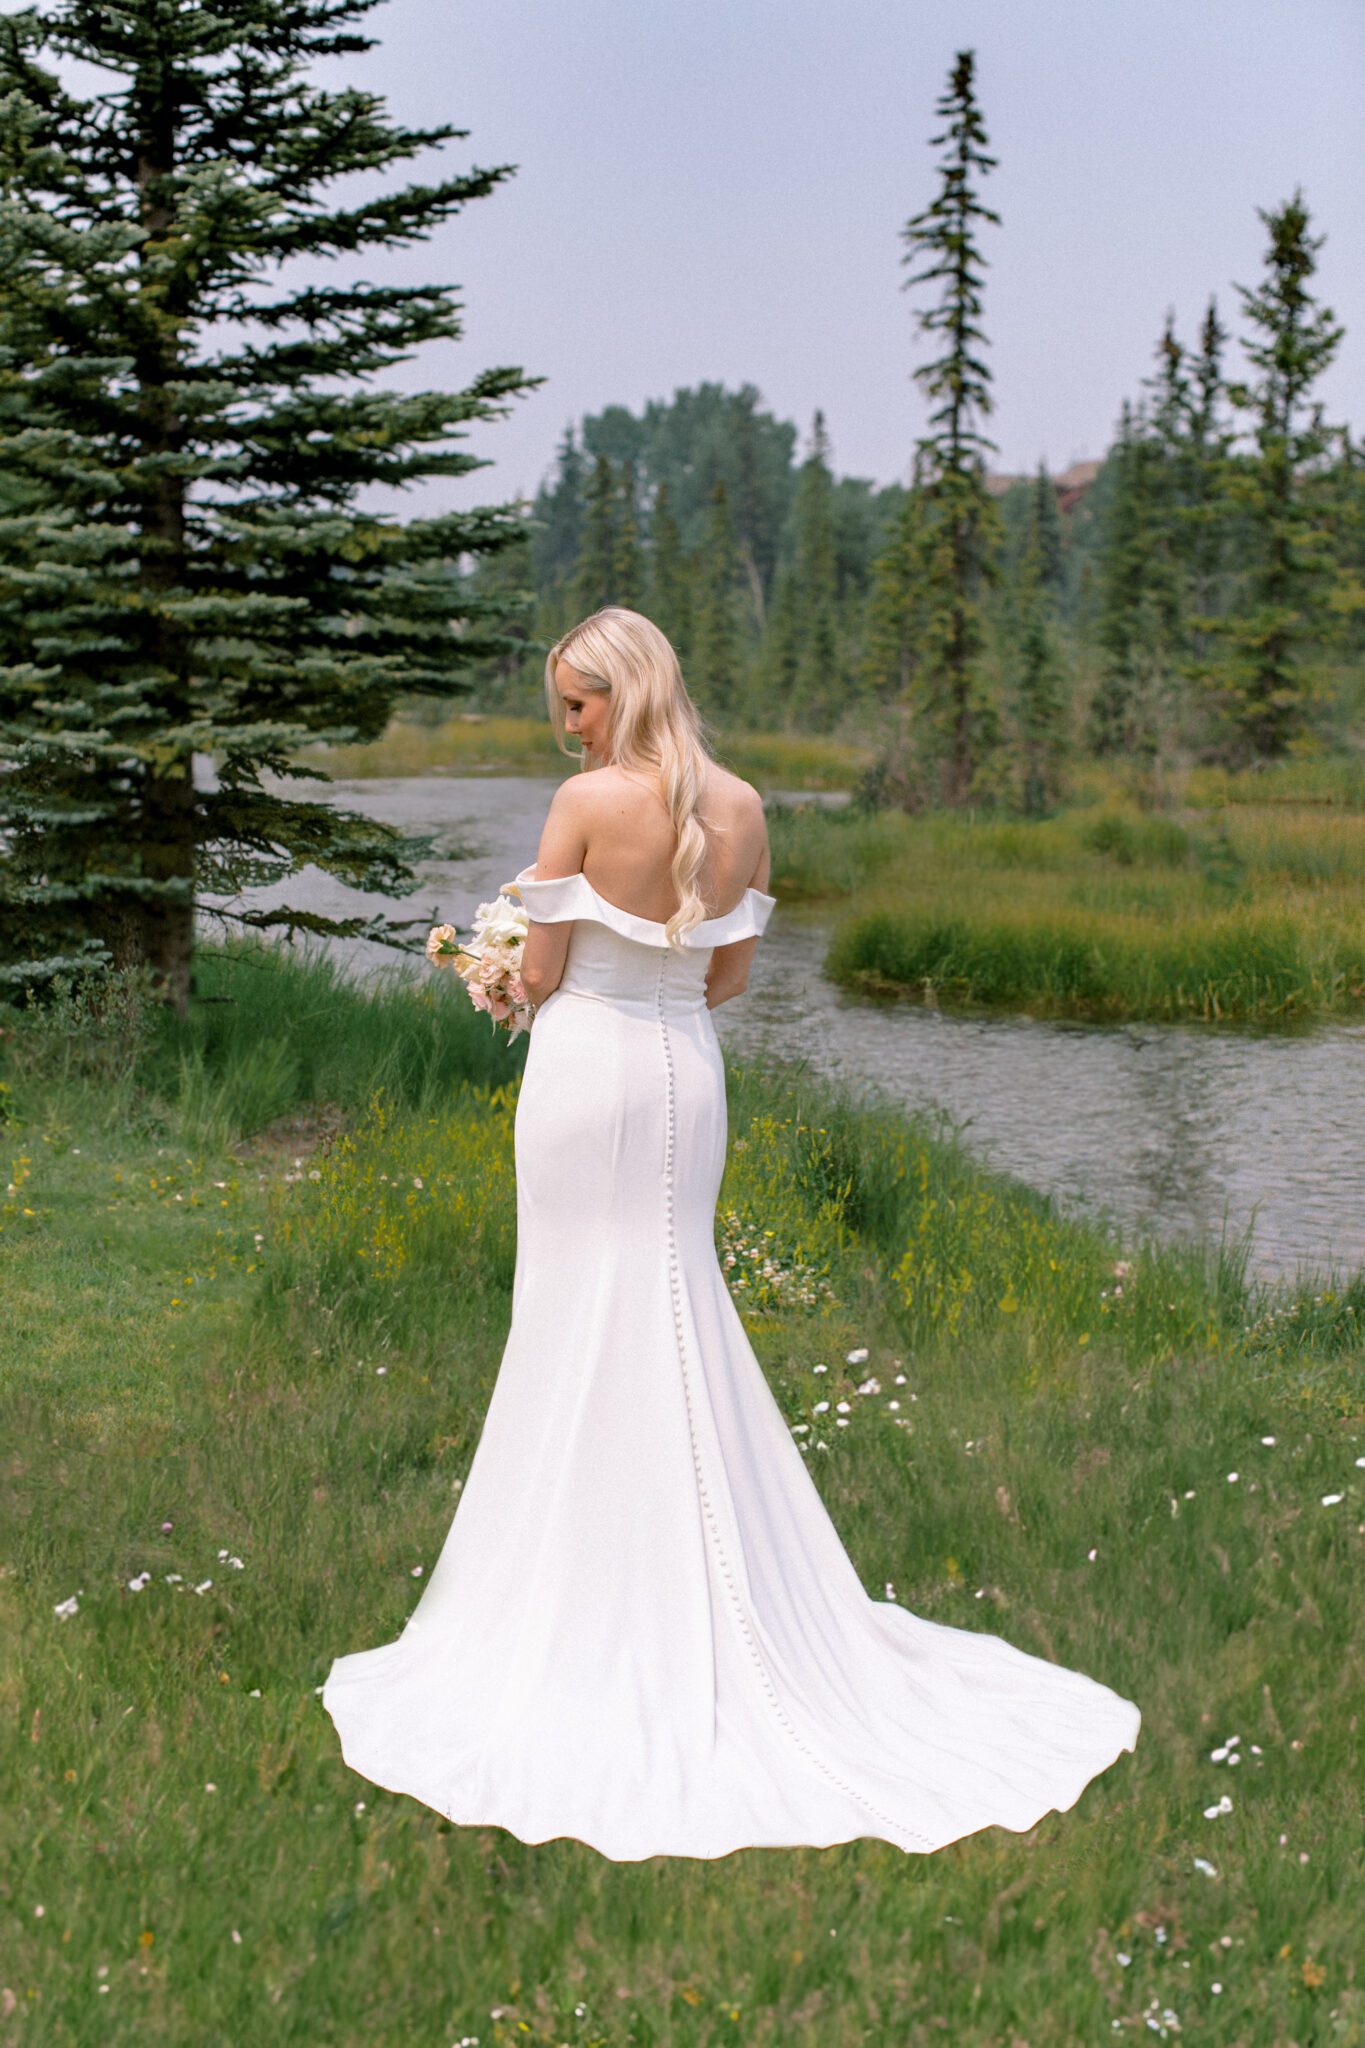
column 1179, row 1130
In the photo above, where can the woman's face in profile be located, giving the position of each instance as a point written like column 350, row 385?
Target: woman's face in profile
column 586, row 711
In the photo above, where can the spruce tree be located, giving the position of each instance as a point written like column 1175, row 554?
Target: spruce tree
column 716, row 649
column 1136, row 710
column 670, row 583
column 891, row 632
column 1039, row 701
column 558, row 538
column 185, row 565
column 1045, row 533
column 960, row 528
column 1112, row 710
column 628, row 557
column 776, row 665
column 594, row 583
column 748, row 502
column 1210, row 439
column 817, row 695
column 1265, row 676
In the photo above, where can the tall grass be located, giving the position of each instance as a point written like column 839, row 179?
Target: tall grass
column 473, row 743
column 240, row 1401
column 1235, row 914
column 271, row 1030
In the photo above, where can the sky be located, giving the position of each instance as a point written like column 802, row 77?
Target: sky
column 714, row 190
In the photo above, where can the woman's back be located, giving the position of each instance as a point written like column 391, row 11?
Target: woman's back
column 631, row 840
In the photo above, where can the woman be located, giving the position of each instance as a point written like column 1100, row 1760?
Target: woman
column 643, row 1630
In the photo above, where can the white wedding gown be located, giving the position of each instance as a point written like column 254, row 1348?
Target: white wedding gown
column 643, row 1630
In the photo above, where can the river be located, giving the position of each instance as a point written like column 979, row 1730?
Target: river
column 1180, row 1131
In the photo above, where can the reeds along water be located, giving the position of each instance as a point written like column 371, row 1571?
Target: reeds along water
column 1250, row 912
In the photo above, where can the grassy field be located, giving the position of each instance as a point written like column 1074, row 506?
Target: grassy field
column 258, row 1275
column 472, row 743
column 1245, row 902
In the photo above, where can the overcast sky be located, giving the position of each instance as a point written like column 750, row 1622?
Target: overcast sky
column 715, row 189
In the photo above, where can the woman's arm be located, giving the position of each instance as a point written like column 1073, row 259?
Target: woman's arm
column 563, row 844
column 728, row 974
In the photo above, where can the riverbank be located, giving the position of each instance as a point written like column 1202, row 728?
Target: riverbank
column 259, row 1279
column 1242, row 901
column 474, row 742
column 1245, row 904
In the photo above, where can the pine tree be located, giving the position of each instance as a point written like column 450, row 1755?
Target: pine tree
column 1045, row 533
column 1265, row 674
column 816, row 698
column 891, row 641
column 776, row 665
column 628, row 560
column 1343, row 492
column 1039, row 701
column 188, row 568
column 1210, row 440
column 1136, row 709
column 716, row 657
column 1121, row 561
column 558, row 538
column 961, row 535
column 594, row 583
column 748, row 500
column 512, row 677
column 670, row 587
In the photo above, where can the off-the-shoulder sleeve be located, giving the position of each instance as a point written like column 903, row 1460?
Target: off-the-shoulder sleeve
column 564, row 898
column 747, row 920
column 557, row 901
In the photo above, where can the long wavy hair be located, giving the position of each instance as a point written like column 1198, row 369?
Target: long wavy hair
column 652, row 724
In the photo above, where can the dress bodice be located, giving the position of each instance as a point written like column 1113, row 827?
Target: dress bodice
column 621, row 957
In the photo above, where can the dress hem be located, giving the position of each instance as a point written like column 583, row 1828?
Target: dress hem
column 922, row 1845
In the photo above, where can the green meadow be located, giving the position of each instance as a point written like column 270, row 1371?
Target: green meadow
column 257, row 1280
column 1241, row 901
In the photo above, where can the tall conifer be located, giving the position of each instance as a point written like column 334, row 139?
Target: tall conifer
column 1266, row 674
column 716, row 655
column 816, row 698
column 1210, row 439
column 627, row 557
column 670, row 585
column 1038, row 698
column 1045, row 532
column 594, row 581
column 1137, row 707
column 961, row 532
column 558, row 539
column 185, row 566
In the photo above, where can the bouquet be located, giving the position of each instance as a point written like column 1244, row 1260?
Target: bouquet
column 490, row 965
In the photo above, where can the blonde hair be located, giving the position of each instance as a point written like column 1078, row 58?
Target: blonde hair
column 652, row 723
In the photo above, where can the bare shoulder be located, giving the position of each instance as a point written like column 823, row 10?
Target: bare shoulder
column 730, row 791
column 572, row 793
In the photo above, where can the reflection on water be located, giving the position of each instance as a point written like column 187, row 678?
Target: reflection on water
column 1175, row 1129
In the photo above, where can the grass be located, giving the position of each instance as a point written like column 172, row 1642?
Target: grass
column 476, row 743
column 269, row 1313
column 1247, row 906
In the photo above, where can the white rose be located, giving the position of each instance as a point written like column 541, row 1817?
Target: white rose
column 502, row 922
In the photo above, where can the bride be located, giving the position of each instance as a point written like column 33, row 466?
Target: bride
column 643, row 1630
